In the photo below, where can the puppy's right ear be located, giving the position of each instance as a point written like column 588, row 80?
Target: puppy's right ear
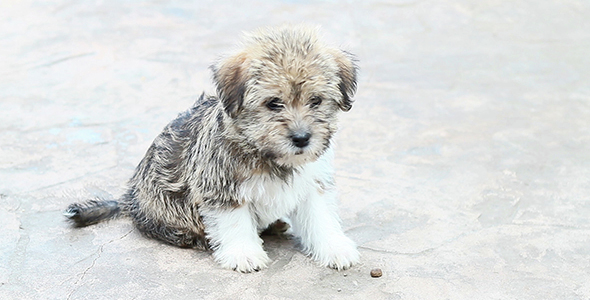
column 348, row 70
column 230, row 79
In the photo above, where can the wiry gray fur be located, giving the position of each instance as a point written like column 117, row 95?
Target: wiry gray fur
column 92, row 212
column 189, row 151
column 200, row 159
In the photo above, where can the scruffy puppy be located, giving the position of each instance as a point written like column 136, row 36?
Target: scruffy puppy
column 261, row 150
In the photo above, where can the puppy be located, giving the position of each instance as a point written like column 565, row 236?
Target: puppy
column 259, row 151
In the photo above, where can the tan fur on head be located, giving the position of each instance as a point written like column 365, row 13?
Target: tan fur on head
column 230, row 78
column 291, row 51
column 305, row 79
column 348, row 73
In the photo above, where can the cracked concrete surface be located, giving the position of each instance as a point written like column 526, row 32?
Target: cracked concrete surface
column 463, row 168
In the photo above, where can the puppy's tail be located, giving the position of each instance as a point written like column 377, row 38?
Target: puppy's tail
column 92, row 212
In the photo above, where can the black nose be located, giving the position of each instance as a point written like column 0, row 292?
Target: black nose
column 301, row 139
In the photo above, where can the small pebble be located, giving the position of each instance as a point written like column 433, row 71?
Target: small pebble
column 339, row 290
column 376, row 273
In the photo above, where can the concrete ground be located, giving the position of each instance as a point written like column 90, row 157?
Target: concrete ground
column 463, row 168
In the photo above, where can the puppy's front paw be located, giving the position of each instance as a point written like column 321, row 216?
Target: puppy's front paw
column 242, row 258
column 339, row 253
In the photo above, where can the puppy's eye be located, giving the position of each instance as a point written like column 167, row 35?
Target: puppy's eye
column 315, row 102
column 274, row 104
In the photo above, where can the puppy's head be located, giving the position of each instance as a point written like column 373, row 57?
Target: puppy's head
column 283, row 92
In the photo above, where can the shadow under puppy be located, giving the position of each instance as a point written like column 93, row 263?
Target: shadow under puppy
column 231, row 165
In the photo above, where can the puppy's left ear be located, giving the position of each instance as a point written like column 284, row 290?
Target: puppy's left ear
column 348, row 70
column 230, row 79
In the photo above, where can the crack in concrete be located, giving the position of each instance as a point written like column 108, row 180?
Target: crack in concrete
column 55, row 62
column 425, row 251
column 18, row 258
column 72, row 179
column 428, row 250
column 98, row 252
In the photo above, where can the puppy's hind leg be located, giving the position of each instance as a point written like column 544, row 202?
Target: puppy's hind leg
column 279, row 228
column 175, row 236
column 191, row 235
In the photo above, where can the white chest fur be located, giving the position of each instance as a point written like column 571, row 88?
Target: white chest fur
column 308, row 199
column 272, row 198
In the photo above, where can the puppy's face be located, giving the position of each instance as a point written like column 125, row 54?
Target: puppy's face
column 283, row 93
